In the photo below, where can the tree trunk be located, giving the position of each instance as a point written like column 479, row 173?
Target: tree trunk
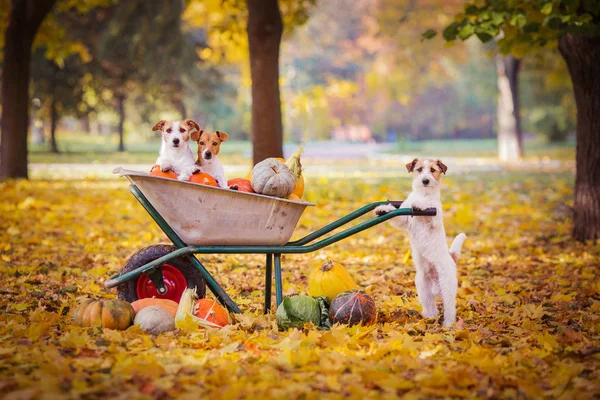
column 510, row 142
column 24, row 20
column 180, row 107
column 85, row 123
column 53, row 122
column 265, row 28
column 121, row 110
column 582, row 55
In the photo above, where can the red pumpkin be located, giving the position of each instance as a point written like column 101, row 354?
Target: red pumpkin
column 211, row 311
column 204, row 179
column 243, row 185
column 157, row 172
column 353, row 307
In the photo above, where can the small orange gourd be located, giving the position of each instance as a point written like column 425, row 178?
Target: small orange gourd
column 157, row 172
column 204, row 179
column 211, row 311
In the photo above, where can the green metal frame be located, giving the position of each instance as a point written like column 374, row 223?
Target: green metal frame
column 273, row 253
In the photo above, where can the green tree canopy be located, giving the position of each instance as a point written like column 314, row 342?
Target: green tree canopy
column 522, row 26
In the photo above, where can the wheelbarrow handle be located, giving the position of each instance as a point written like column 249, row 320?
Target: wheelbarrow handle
column 428, row 212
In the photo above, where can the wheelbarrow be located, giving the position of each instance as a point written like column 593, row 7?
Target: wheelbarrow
column 201, row 219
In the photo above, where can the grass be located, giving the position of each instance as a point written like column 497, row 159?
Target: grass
column 485, row 148
column 87, row 149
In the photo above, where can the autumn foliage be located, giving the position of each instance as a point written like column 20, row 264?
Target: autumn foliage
column 528, row 301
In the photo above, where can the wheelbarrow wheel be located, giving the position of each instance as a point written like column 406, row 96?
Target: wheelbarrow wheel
column 178, row 274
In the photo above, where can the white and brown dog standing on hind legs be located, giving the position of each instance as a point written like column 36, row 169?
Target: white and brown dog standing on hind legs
column 175, row 153
column 434, row 262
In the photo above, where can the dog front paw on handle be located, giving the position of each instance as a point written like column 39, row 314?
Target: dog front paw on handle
column 384, row 209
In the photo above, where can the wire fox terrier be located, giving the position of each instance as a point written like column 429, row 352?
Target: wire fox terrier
column 434, row 262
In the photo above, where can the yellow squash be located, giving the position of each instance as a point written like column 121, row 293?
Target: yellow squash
column 329, row 280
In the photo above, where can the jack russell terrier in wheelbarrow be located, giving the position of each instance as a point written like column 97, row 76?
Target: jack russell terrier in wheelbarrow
column 209, row 146
column 175, row 153
column 434, row 262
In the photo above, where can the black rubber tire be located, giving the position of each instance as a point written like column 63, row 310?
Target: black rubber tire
column 127, row 291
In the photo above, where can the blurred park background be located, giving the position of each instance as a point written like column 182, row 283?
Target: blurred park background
column 354, row 72
column 363, row 84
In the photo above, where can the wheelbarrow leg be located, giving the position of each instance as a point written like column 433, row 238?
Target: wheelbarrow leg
column 211, row 283
column 214, row 287
column 268, row 282
column 278, row 281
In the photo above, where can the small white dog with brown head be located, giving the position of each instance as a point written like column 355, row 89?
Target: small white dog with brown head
column 434, row 262
column 209, row 146
column 175, row 154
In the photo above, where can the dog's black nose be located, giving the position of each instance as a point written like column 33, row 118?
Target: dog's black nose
column 425, row 182
column 208, row 155
column 175, row 141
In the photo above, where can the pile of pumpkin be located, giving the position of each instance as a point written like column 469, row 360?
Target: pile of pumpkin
column 333, row 297
column 154, row 316
column 272, row 177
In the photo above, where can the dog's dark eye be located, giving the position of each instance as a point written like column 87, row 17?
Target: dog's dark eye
column 201, row 143
column 214, row 143
column 432, row 170
column 420, row 169
column 181, row 130
column 169, row 130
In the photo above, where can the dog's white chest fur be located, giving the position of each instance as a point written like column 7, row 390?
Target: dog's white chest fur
column 427, row 234
column 179, row 158
column 215, row 169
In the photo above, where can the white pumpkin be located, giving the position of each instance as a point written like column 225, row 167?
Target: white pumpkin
column 155, row 320
column 272, row 178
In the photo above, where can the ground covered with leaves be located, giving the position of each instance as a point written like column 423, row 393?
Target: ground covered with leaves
column 528, row 301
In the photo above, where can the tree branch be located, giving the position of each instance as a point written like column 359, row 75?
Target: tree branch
column 36, row 12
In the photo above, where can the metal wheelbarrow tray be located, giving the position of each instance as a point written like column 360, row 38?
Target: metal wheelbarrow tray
column 207, row 216
column 202, row 219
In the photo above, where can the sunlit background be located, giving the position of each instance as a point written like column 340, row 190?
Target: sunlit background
column 358, row 82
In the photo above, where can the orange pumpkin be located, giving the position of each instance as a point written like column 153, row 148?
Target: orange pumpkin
column 165, row 304
column 243, row 185
column 112, row 314
column 157, row 172
column 211, row 311
column 204, row 179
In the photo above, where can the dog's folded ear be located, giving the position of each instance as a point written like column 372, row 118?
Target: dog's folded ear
column 442, row 166
column 195, row 135
column 411, row 165
column 159, row 125
column 191, row 125
column 222, row 135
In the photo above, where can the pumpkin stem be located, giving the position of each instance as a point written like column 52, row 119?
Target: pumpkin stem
column 327, row 265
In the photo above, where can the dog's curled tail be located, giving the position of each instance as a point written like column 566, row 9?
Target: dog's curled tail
column 456, row 246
